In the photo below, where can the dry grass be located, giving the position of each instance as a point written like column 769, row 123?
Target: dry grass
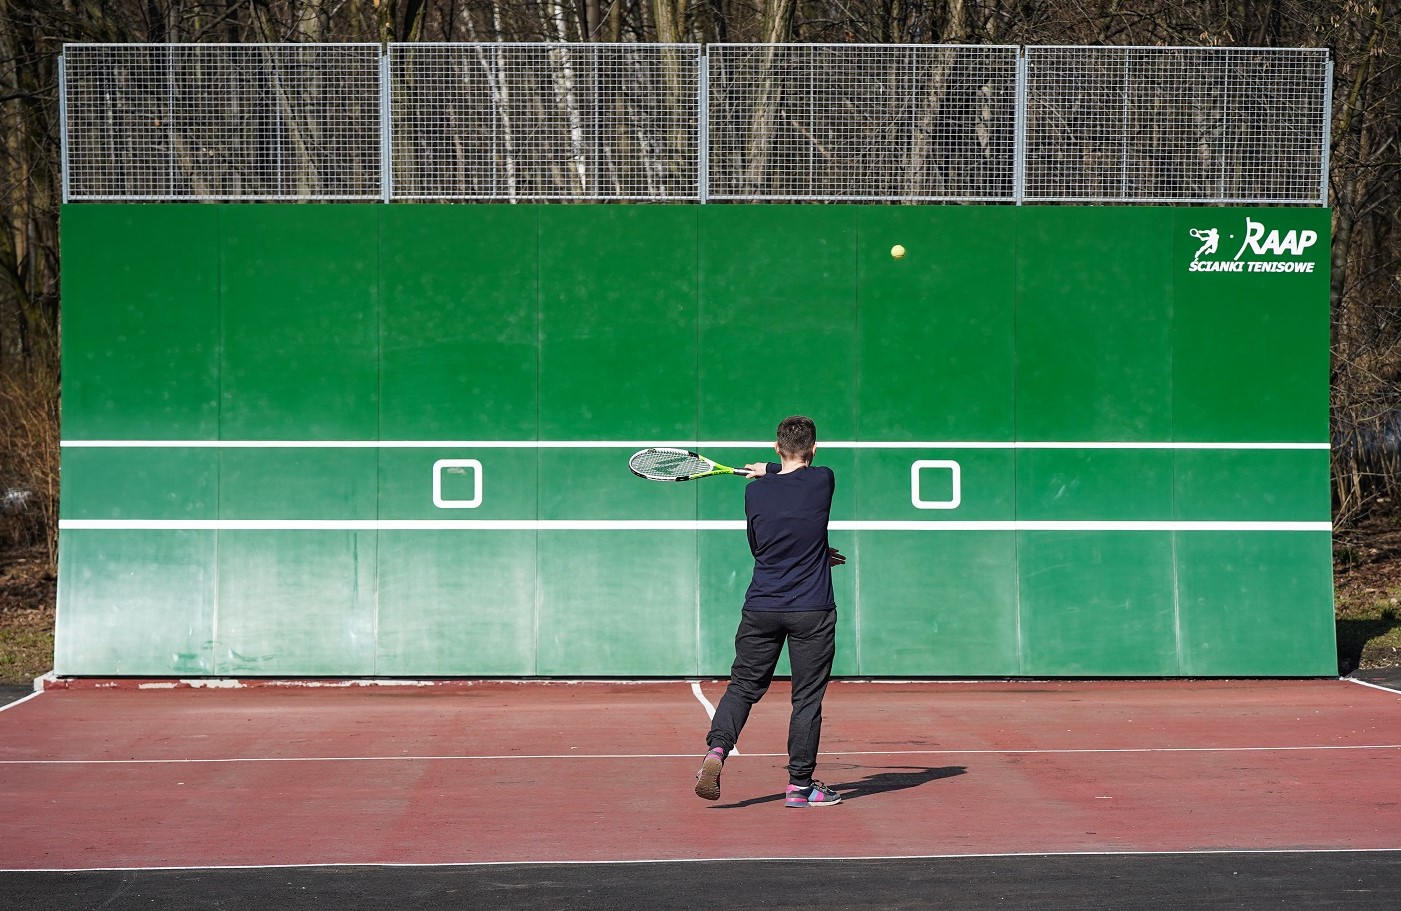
column 29, row 459
column 28, row 521
column 27, row 589
column 26, row 645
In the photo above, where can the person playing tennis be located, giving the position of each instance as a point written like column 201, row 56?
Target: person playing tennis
column 790, row 599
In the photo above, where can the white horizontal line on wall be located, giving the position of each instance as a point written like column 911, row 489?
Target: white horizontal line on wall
column 655, row 525
column 644, row 444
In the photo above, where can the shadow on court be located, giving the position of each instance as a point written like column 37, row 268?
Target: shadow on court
column 879, row 783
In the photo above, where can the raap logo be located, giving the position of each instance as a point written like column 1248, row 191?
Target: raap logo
column 1257, row 242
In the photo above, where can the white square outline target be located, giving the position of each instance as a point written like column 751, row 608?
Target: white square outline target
column 438, row 467
column 954, row 470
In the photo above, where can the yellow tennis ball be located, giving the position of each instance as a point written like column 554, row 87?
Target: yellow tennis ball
column 897, row 251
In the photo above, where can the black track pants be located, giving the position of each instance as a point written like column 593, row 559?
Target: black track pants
column 812, row 643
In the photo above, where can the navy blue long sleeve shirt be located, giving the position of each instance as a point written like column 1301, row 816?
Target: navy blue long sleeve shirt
column 787, row 523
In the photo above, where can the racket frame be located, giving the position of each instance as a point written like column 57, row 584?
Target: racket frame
column 716, row 467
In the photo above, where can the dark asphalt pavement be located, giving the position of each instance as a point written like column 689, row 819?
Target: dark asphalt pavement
column 1354, row 881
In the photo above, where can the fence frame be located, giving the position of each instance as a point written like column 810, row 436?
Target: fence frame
column 1221, row 198
column 704, row 136
column 860, row 193
column 592, row 132
column 66, row 144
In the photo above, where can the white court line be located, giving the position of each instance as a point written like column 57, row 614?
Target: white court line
column 660, row 525
column 672, row 524
column 684, row 444
column 653, row 861
column 710, row 710
column 550, row 757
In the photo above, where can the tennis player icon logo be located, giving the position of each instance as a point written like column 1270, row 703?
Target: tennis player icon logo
column 1209, row 237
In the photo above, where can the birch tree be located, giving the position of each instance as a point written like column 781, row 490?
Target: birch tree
column 1365, row 162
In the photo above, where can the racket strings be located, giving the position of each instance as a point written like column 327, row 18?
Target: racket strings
column 660, row 463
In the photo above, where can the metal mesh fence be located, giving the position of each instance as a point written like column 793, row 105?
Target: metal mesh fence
column 1176, row 124
column 545, row 121
column 222, row 121
column 861, row 122
column 662, row 122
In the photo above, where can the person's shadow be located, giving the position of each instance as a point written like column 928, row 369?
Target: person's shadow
column 878, row 783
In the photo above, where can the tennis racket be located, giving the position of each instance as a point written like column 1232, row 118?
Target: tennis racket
column 676, row 465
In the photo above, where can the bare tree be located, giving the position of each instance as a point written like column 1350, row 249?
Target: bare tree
column 1365, row 172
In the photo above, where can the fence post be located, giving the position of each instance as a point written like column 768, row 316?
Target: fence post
column 1124, row 127
column 1326, row 149
column 277, row 106
column 594, row 171
column 703, row 118
column 1019, row 131
column 63, row 126
column 386, row 143
column 170, row 120
column 1225, row 127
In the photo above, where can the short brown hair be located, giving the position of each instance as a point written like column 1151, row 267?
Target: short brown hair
column 796, row 436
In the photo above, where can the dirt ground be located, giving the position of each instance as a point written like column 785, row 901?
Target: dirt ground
column 1366, row 574
column 27, row 592
column 1367, row 594
column 1367, row 559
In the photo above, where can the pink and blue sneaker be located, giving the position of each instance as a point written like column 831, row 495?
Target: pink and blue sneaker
column 815, row 795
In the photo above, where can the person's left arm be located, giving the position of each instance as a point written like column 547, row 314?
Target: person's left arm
column 834, row 556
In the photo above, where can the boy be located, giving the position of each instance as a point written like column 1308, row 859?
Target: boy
column 790, row 599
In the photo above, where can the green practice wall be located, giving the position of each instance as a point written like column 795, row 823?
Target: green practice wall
column 256, row 400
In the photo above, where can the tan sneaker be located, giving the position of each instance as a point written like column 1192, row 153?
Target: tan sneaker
column 708, row 778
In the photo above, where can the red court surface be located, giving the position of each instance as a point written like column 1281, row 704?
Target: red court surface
column 119, row 776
